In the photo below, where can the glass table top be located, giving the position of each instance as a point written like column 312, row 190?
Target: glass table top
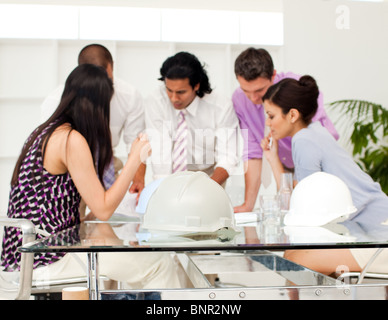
column 125, row 233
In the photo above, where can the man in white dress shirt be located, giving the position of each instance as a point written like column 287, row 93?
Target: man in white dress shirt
column 127, row 110
column 212, row 125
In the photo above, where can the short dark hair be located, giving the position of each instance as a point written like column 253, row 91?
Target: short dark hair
column 186, row 65
column 293, row 94
column 253, row 63
column 95, row 54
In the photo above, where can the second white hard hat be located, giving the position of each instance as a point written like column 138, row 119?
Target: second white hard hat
column 319, row 199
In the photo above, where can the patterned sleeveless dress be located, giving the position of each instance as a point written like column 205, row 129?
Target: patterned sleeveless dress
column 51, row 202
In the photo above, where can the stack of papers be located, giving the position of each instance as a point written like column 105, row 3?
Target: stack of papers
column 246, row 217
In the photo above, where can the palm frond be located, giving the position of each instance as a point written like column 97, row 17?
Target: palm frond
column 368, row 123
column 365, row 118
column 359, row 110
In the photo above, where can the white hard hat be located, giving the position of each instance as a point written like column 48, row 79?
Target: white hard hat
column 189, row 201
column 146, row 194
column 319, row 199
column 309, row 234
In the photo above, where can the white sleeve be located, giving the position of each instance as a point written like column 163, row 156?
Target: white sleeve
column 227, row 133
column 50, row 104
column 159, row 131
column 134, row 124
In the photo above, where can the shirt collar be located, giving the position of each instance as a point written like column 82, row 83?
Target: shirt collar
column 192, row 108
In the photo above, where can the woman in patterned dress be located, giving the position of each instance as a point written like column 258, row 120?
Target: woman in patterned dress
column 64, row 160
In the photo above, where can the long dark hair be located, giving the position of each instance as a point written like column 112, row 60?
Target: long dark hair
column 186, row 65
column 293, row 94
column 85, row 105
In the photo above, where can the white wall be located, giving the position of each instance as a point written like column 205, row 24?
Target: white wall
column 343, row 44
column 348, row 63
column 349, row 58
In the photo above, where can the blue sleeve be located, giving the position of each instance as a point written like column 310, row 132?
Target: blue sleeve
column 307, row 157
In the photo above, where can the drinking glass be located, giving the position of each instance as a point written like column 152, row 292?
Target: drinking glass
column 270, row 209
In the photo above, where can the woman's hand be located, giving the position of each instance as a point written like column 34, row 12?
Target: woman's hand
column 141, row 148
column 270, row 148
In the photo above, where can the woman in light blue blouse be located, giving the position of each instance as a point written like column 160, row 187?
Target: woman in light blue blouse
column 290, row 106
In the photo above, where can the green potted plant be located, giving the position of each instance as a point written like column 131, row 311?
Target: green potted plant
column 368, row 125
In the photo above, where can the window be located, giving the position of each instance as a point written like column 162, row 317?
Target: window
column 140, row 24
column 38, row 21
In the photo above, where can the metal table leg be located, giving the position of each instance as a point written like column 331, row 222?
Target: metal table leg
column 93, row 275
column 370, row 262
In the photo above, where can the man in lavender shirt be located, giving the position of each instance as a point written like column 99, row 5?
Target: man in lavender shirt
column 255, row 73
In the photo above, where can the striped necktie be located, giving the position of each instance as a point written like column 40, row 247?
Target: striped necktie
column 179, row 153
